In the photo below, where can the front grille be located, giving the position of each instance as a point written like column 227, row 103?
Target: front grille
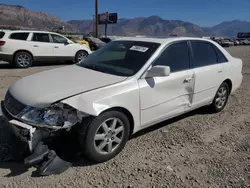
column 13, row 106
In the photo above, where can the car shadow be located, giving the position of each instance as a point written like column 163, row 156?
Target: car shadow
column 68, row 149
column 199, row 111
column 15, row 168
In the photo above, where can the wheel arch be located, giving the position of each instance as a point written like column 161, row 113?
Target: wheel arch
column 229, row 83
column 126, row 112
column 27, row 51
column 82, row 50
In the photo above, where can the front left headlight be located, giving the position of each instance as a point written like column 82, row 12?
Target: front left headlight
column 55, row 115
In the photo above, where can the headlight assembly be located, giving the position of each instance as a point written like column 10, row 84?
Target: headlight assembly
column 58, row 115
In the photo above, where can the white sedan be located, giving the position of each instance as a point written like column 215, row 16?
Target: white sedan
column 122, row 88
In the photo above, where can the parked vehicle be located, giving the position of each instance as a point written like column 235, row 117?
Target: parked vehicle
column 244, row 41
column 84, row 42
column 120, row 89
column 217, row 41
column 22, row 48
column 247, row 41
column 236, row 42
column 225, row 43
column 94, row 43
column 105, row 39
column 241, row 41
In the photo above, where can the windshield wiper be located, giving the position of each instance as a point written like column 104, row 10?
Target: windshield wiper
column 104, row 69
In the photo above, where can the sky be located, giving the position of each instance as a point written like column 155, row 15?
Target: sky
column 201, row 12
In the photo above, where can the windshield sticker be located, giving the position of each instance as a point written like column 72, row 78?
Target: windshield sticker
column 139, row 48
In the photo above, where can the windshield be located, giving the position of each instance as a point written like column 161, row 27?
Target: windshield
column 121, row 58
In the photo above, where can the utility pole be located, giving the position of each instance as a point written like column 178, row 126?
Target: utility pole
column 96, row 18
column 93, row 32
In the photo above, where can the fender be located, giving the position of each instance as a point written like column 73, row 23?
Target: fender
column 125, row 95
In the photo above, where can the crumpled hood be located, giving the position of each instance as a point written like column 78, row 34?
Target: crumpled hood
column 44, row 88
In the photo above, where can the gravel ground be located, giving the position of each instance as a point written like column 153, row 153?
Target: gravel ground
column 195, row 150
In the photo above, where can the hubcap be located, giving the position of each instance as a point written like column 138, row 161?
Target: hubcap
column 221, row 97
column 109, row 136
column 23, row 60
column 81, row 56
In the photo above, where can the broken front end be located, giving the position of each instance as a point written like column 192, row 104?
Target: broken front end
column 44, row 131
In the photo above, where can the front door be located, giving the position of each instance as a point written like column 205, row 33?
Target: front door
column 62, row 50
column 165, row 97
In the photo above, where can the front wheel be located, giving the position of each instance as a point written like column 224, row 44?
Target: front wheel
column 105, row 136
column 80, row 56
column 221, row 98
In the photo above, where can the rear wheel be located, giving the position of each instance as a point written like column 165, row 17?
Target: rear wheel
column 105, row 136
column 23, row 60
column 221, row 98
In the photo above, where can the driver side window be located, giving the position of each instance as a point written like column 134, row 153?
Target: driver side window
column 58, row 39
column 176, row 56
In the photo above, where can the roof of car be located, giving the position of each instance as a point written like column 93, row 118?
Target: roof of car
column 161, row 40
column 30, row 31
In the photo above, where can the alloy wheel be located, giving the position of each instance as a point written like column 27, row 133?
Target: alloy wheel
column 23, row 60
column 81, row 56
column 221, row 97
column 109, row 136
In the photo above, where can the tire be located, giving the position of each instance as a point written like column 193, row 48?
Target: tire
column 81, row 55
column 23, row 60
column 105, row 139
column 11, row 148
column 221, row 98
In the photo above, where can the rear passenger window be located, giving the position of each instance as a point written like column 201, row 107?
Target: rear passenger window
column 40, row 37
column 19, row 36
column 220, row 55
column 176, row 56
column 204, row 54
column 2, row 34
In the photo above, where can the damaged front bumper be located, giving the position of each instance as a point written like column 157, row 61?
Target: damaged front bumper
column 38, row 139
column 27, row 133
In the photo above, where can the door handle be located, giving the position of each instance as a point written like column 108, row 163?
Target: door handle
column 56, row 47
column 35, row 45
column 187, row 80
column 220, row 71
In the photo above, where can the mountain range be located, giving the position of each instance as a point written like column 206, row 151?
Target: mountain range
column 21, row 17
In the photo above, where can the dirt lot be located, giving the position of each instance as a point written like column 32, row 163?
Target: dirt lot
column 195, row 150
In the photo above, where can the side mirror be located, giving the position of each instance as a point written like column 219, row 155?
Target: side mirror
column 158, row 71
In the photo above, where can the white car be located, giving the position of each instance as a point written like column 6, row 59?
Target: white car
column 120, row 89
column 22, row 48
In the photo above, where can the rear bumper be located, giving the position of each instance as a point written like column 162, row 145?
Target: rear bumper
column 6, row 57
column 237, row 83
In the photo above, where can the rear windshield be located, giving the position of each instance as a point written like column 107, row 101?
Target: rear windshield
column 2, row 34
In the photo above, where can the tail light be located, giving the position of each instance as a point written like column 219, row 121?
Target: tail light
column 2, row 43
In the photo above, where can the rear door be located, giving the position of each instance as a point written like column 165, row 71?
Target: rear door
column 210, row 68
column 42, row 47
